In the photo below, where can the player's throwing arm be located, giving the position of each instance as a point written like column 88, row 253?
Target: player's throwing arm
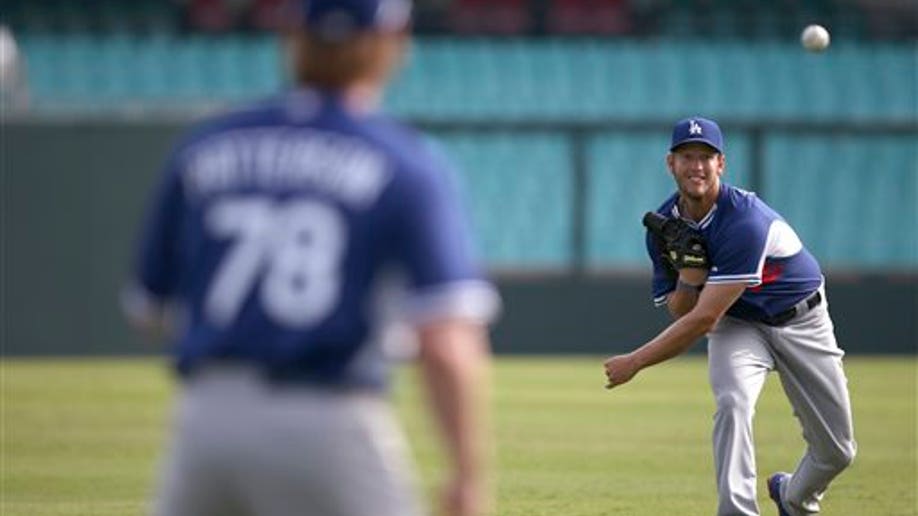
column 683, row 252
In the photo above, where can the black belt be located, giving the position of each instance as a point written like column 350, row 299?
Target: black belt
column 786, row 316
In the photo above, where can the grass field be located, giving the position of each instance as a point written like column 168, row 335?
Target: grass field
column 81, row 437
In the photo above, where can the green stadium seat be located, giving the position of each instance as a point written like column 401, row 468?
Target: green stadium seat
column 519, row 190
column 894, row 184
column 41, row 55
column 602, row 85
column 149, row 81
column 590, row 79
column 738, row 150
column 796, row 185
column 848, row 196
column 575, row 79
column 265, row 67
column 112, row 68
column 76, row 63
column 777, row 95
column 627, row 177
column 897, row 71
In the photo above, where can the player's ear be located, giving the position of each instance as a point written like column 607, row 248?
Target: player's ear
column 721, row 163
column 293, row 45
column 669, row 162
column 403, row 46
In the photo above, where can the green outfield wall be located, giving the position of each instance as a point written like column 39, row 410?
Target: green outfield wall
column 73, row 192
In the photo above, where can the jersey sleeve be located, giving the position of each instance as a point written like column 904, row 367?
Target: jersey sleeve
column 156, row 268
column 738, row 253
column 664, row 277
column 435, row 246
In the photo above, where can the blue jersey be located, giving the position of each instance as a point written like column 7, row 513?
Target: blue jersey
column 275, row 228
column 748, row 242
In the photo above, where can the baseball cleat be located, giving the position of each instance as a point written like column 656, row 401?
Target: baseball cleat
column 774, row 490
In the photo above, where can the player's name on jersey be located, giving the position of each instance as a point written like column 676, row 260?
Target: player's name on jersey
column 283, row 159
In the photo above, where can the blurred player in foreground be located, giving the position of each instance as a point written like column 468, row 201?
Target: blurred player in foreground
column 14, row 90
column 274, row 232
column 732, row 268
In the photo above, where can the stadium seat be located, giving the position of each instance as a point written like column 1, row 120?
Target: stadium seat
column 863, row 188
column 490, row 16
column 585, row 79
column 486, row 79
column 627, row 177
column 589, row 16
column 519, row 189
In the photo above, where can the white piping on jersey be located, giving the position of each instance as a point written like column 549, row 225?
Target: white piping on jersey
column 701, row 224
column 751, row 279
column 781, row 242
column 467, row 299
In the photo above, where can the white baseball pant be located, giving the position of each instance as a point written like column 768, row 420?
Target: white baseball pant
column 809, row 362
column 244, row 447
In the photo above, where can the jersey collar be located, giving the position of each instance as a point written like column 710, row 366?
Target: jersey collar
column 706, row 220
column 304, row 101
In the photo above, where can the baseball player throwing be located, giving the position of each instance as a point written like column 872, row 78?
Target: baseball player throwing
column 726, row 265
column 276, row 233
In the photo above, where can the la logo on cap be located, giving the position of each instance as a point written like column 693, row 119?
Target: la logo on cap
column 694, row 128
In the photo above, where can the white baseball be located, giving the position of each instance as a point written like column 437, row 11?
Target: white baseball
column 815, row 38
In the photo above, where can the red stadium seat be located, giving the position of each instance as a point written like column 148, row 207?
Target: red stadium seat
column 490, row 16
column 269, row 14
column 210, row 15
column 589, row 17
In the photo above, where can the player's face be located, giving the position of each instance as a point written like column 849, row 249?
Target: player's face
column 696, row 168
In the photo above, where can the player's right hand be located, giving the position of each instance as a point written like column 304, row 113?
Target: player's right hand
column 620, row 369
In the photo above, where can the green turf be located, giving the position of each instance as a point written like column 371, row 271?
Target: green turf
column 81, row 437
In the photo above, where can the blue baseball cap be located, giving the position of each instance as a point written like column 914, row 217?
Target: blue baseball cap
column 337, row 20
column 700, row 130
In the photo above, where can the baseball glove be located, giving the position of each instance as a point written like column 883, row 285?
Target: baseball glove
column 682, row 245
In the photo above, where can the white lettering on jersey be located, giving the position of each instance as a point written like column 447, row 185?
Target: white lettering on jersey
column 335, row 164
column 291, row 251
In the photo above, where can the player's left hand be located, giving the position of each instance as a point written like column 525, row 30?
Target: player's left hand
column 683, row 246
column 620, row 369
